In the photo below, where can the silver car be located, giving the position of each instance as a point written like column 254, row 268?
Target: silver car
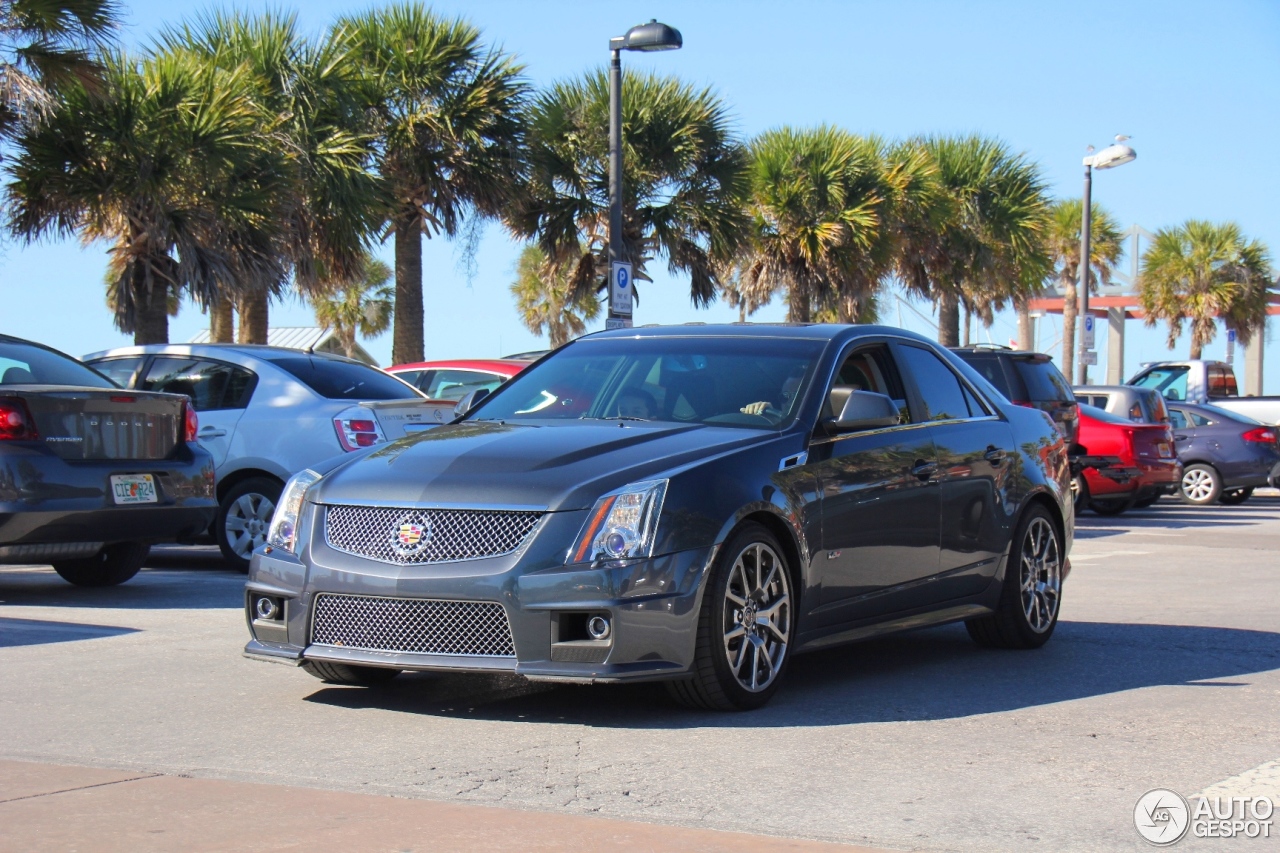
column 1140, row 405
column 267, row 413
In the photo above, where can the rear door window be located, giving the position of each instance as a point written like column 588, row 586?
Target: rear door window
column 940, row 389
column 1177, row 419
column 992, row 369
column 344, row 380
column 211, row 385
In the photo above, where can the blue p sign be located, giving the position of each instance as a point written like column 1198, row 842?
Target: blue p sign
column 622, row 278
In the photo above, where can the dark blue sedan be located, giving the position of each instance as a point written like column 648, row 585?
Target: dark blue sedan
column 1225, row 455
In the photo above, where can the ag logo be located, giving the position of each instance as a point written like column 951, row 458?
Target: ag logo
column 1162, row 817
column 412, row 534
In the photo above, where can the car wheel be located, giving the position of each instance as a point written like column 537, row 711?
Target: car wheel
column 111, row 566
column 1233, row 497
column 745, row 626
column 1080, row 493
column 1200, row 485
column 244, row 514
column 345, row 673
column 1111, row 506
column 1032, row 593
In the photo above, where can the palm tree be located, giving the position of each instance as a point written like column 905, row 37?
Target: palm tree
column 1062, row 239
column 363, row 304
column 546, row 299
column 313, row 100
column 449, row 130
column 988, row 249
column 684, row 179
column 45, row 47
column 1202, row 271
column 165, row 162
column 819, row 203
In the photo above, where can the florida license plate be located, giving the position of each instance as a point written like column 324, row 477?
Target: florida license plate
column 133, row 488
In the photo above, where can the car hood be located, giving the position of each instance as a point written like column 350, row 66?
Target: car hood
column 557, row 467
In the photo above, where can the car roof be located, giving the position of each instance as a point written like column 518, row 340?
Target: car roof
column 509, row 367
column 1115, row 389
column 1005, row 351
column 794, row 331
column 262, row 351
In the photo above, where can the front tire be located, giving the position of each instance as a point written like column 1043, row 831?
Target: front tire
column 244, row 514
column 1032, row 593
column 111, row 566
column 349, row 674
column 1201, row 485
column 745, row 626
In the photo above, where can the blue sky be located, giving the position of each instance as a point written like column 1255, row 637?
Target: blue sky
column 1196, row 86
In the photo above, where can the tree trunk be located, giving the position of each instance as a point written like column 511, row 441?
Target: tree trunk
column 797, row 304
column 407, row 335
column 221, row 321
column 1195, row 348
column 151, row 310
column 253, row 318
column 968, row 326
column 1069, row 311
column 949, row 319
column 1026, row 333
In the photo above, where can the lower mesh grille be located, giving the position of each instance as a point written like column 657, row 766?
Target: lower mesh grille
column 414, row 625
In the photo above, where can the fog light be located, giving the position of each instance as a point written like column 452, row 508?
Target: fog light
column 598, row 627
column 267, row 608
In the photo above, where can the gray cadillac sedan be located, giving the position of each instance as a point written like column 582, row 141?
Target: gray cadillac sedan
column 695, row 504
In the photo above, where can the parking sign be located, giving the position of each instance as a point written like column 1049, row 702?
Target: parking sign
column 620, row 289
column 1088, row 331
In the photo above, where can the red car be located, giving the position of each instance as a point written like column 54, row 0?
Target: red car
column 1143, row 463
column 453, row 380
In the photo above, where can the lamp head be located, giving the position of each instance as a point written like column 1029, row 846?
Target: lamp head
column 650, row 36
column 1111, row 156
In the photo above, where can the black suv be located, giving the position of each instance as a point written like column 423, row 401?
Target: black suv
column 1027, row 379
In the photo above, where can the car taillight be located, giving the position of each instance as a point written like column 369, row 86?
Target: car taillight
column 357, row 427
column 16, row 423
column 1262, row 435
column 192, row 422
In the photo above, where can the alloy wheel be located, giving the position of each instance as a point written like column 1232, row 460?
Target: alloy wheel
column 248, row 519
column 1197, row 484
column 757, row 617
column 1041, row 575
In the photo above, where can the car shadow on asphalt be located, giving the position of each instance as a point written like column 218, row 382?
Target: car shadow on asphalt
column 932, row 674
column 1171, row 515
column 38, row 632
column 174, row 587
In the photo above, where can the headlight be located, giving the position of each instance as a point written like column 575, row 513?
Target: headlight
column 622, row 524
column 283, row 532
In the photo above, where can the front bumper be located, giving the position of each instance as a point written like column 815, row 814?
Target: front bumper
column 50, row 508
column 652, row 606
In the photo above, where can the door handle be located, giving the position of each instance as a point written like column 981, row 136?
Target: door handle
column 924, row 470
column 994, row 455
column 1179, row 438
column 211, row 432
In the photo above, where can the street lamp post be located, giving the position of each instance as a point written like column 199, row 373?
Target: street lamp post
column 646, row 37
column 1107, row 158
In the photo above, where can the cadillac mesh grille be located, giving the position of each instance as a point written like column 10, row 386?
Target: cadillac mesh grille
column 415, row 537
column 414, row 625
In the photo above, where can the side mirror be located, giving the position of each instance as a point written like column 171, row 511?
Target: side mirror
column 470, row 401
column 866, row 410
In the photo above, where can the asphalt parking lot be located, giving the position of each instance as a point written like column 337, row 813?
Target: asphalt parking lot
column 1165, row 672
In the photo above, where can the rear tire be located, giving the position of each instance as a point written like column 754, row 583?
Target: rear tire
column 1031, row 597
column 349, row 674
column 244, row 514
column 111, row 566
column 1201, row 485
column 745, row 626
column 1235, row 497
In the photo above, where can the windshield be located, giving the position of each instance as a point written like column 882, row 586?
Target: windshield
column 1169, row 382
column 749, row 382
column 24, row 364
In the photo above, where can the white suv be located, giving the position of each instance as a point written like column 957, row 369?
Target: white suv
column 267, row 413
